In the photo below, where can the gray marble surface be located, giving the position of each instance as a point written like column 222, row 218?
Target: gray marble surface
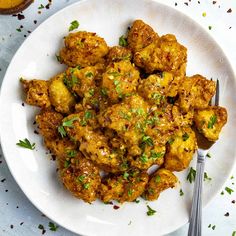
column 17, row 215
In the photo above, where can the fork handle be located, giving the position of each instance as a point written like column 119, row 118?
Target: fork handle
column 195, row 227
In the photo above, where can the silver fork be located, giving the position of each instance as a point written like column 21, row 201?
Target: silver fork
column 195, row 226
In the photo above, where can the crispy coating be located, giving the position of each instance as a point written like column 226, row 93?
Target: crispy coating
column 118, row 53
column 48, row 122
column 140, row 35
column 83, row 81
column 36, row 92
column 60, row 148
column 81, row 177
column 161, row 180
column 180, row 151
column 164, row 54
column 60, row 96
column 123, row 118
column 210, row 121
column 120, row 80
column 95, row 147
column 152, row 155
column 196, row 92
column 83, row 49
column 155, row 88
column 123, row 188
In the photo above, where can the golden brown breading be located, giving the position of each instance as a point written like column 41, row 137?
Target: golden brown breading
column 60, row 96
column 140, row 35
column 48, row 122
column 83, row 49
column 120, row 80
column 81, row 177
column 60, row 148
column 180, row 151
column 83, row 82
column 118, row 53
column 36, row 92
column 210, row 121
column 94, row 146
column 123, row 188
column 196, row 92
column 164, row 54
column 156, row 87
column 161, row 180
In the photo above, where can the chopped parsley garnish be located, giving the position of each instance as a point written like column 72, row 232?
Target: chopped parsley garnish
column 213, row 227
column 114, row 73
column 91, row 92
column 158, row 179
column 206, row 177
column 123, row 41
column 70, row 82
column 88, row 115
column 66, row 163
column 124, row 115
column 73, row 25
column 103, row 92
column 41, row 6
column 209, row 27
column 40, row 226
column 171, row 140
column 157, row 97
column 52, row 226
column 150, row 211
column 212, row 121
column 125, row 175
column 229, row 190
column 181, row 193
column 185, row 136
column 234, row 233
column 68, row 123
column 71, row 153
column 143, row 158
column 81, row 178
column 26, row 144
column 130, row 192
column 137, row 201
column 155, row 155
column 58, row 58
column 86, row 186
column 208, row 155
column 191, row 175
column 89, row 74
column 62, row 131
column 147, row 140
column 117, row 85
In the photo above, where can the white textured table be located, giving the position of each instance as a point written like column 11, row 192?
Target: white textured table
column 17, row 215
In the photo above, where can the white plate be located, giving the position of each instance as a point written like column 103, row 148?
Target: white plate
column 36, row 175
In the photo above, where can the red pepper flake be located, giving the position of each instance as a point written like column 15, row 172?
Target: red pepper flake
column 226, row 214
column 21, row 223
column 176, row 4
column 12, row 226
column 230, row 27
column 3, row 180
column 35, row 22
column 21, row 26
column 39, row 12
column 36, row 132
column 214, row 2
column 53, row 157
column 116, row 207
column 0, row 162
column 6, row 190
column 229, row 11
column 198, row 2
column 47, row 6
column 233, row 201
column 43, row 215
column 22, row 104
column 186, row 3
column 29, row 31
column 17, row 207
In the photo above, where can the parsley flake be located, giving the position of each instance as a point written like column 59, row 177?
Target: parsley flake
column 191, row 175
column 213, row 120
column 185, row 136
column 26, row 144
column 73, row 25
column 147, row 140
column 206, row 177
column 158, row 179
column 123, row 41
column 181, row 193
column 229, row 190
column 150, row 211
column 52, row 226
column 125, row 175
column 61, row 131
